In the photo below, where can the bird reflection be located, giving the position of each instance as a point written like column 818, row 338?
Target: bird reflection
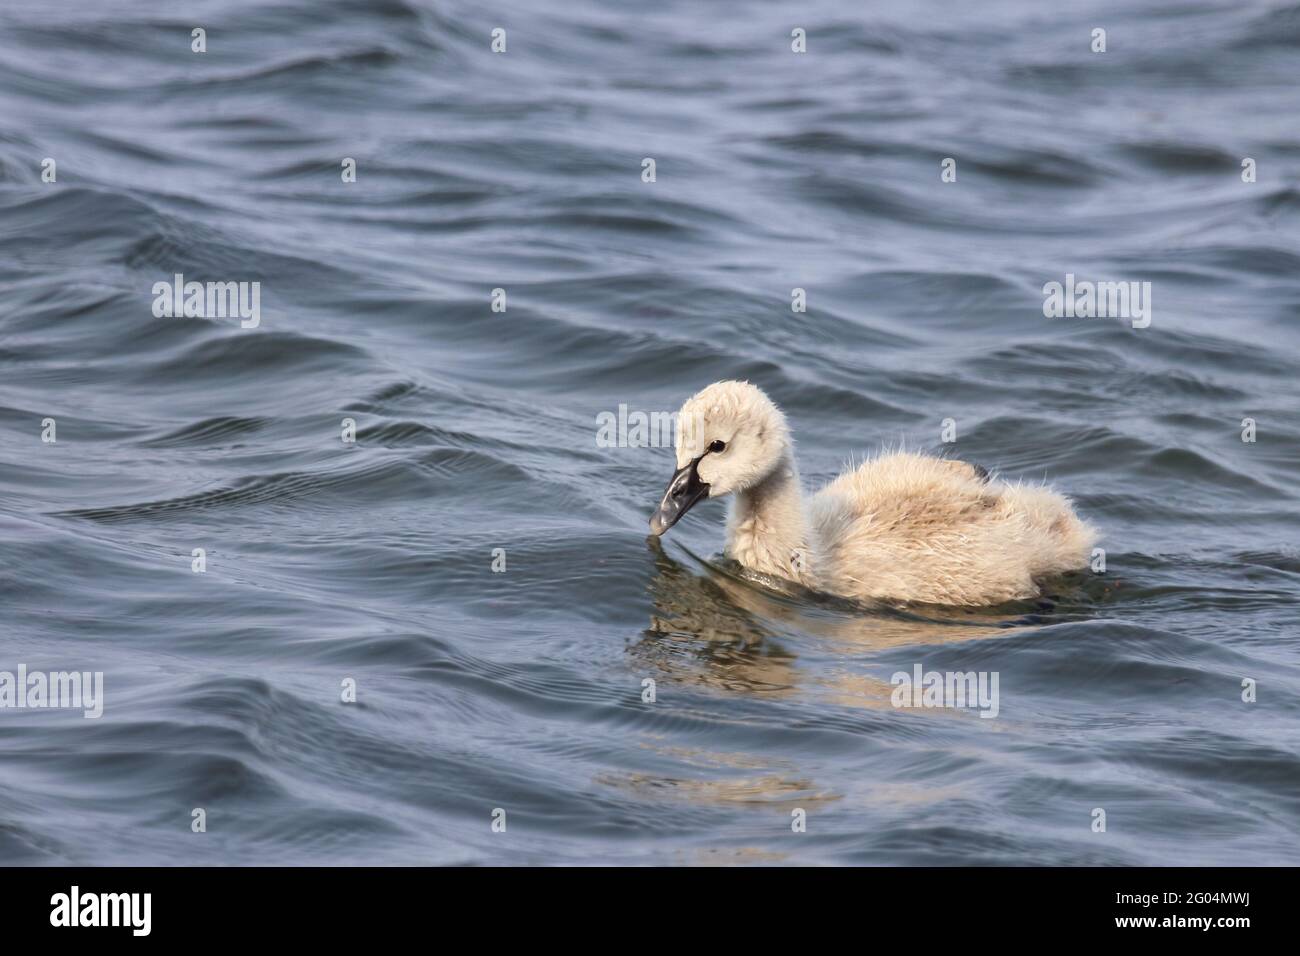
column 729, row 630
column 717, row 628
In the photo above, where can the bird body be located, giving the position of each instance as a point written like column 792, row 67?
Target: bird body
column 900, row 527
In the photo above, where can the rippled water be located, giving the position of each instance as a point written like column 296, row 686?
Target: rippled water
column 476, row 430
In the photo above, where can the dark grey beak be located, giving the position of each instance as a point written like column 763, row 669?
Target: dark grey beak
column 683, row 491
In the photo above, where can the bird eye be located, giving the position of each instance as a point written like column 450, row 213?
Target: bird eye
column 717, row 445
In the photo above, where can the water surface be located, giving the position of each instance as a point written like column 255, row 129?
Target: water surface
column 476, row 430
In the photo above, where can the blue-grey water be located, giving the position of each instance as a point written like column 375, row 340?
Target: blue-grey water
column 332, row 564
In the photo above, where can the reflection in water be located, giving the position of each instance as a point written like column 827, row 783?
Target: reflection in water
column 727, row 779
column 699, row 633
column 730, row 633
column 728, row 630
column 769, row 790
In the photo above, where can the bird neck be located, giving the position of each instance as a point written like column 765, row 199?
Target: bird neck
column 768, row 529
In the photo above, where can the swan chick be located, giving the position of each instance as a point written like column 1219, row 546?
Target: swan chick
column 901, row 527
